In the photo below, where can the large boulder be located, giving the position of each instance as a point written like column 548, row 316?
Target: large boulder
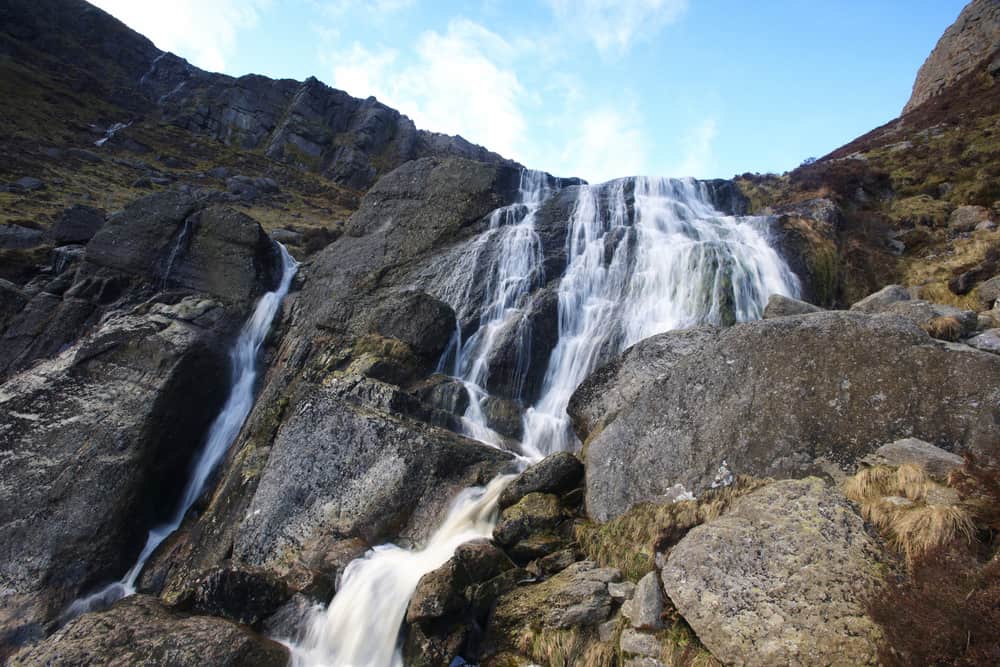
column 780, row 579
column 77, row 224
column 342, row 469
column 139, row 631
column 772, row 397
column 782, row 306
column 97, row 446
column 556, row 473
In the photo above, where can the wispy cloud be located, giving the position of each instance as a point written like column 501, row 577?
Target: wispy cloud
column 459, row 81
column 606, row 144
column 204, row 30
column 615, row 25
column 697, row 158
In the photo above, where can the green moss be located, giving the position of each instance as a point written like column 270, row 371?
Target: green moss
column 630, row 542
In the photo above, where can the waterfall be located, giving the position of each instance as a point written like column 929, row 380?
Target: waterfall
column 515, row 268
column 643, row 256
column 225, row 428
column 362, row 622
column 647, row 255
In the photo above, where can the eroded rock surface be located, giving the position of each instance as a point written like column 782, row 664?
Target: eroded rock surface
column 792, row 592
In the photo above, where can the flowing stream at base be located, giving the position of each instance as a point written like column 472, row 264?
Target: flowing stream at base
column 224, row 429
column 643, row 256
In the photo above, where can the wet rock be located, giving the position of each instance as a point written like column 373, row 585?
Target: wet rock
column 109, row 426
column 419, row 320
column 534, row 513
column 242, row 594
column 138, row 630
column 772, row 397
column 556, row 474
column 987, row 341
column 291, row 619
column 481, row 560
column 537, row 545
column 781, row 306
column 781, row 578
column 439, row 593
column 368, row 474
column 936, row 461
column 882, row 299
column 77, row 224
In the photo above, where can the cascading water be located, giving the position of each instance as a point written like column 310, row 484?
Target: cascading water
column 223, row 431
column 643, row 256
column 672, row 262
column 515, row 270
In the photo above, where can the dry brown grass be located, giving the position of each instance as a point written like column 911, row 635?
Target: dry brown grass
column 567, row 648
column 918, row 529
column 894, row 501
column 946, row 327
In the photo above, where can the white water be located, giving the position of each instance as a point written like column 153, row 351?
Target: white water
column 516, row 269
column 378, row 587
column 224, row 429
column 676, row 263
column 671, row 262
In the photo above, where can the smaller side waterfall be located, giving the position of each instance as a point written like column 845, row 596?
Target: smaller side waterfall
column 222, row 433
column 360, row 628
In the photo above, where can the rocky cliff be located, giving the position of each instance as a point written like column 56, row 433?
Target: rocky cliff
column 967, row 44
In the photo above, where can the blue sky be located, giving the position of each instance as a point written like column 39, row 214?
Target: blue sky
column 590, row 88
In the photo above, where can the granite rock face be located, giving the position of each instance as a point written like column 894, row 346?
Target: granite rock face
column 857, row 381
column 793, row 592
column 124, row 376
column 966, row 44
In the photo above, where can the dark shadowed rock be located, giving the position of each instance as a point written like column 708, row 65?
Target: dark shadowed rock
column 771, row 397
column 77, row 224
column 779, row 579
column 419, row 320
column 139, row 631
column 782, row 306
column 15, row 236
column 556, row 473
column 241, row 594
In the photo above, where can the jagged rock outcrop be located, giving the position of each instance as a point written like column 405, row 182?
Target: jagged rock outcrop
column 98, row 438
column 793, row 592
column 138, row 630
column 164, row 241
column 968, row 42
column 677, row 405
